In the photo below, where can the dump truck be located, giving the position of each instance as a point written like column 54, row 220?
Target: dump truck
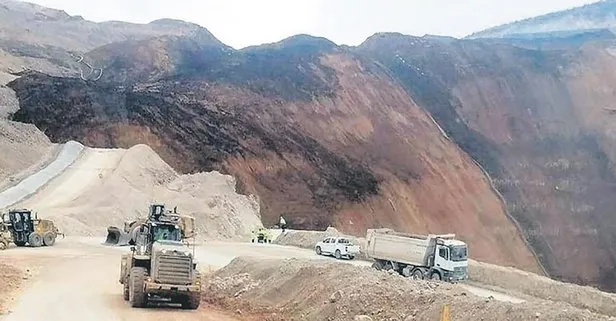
column 437, row 257
column 23, row 227
column 161, row 266
column 128, row 235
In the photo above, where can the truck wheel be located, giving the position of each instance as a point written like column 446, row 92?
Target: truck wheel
column 35, row 239
column 407, row 272
column 337, row 254
column 318, row 250
column 417, row 275
column 49, row 239
column 126, row 290
column 20, row 243
column 351, row 257
column 435, row 276
column 377, row 265
column 136, row 292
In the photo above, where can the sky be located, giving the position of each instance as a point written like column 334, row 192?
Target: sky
column 241, row 23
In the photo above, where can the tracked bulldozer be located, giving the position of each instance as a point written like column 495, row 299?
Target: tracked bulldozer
column 128, row 235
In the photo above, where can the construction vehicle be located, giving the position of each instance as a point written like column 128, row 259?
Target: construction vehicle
column 261, row 235
column 438, row 257
column 25, row 228
column 128, row 235
column 161, row 266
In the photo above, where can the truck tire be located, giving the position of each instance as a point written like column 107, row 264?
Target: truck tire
column 318, row 250
column 136, row 294
column 35, row 239
column 407, row 271
column 377, row 265
column 337, row 254
column 126, row 290
column 435, row 276
column 351, row 257
column 20, row 243
column 417, row 274
column 49, row 239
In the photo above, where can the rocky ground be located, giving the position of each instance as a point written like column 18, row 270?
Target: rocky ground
column 294, row 289
column 12, row 280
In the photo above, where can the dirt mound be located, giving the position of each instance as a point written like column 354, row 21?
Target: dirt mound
column 309, row 290
column 516, row 281
column 109, row 186
column 23, row 148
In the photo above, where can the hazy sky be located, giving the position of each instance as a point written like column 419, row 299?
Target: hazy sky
column 240, row 23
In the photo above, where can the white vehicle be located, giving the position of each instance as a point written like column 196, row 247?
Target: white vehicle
column 338, row 247
column 438, row 257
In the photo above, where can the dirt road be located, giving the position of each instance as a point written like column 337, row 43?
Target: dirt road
column 78, row 281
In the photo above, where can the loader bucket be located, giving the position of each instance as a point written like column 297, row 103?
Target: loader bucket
column 117, row 237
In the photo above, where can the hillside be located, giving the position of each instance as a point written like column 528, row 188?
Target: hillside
column 535, row 121
column 318, row 133
column 591, row 17
column 396, row 132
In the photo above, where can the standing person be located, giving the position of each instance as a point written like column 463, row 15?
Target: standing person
column 282, row 223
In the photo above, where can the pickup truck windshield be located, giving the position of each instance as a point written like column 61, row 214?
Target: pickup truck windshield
column 458, row 253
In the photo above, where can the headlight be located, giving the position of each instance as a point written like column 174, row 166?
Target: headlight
column 163, row 251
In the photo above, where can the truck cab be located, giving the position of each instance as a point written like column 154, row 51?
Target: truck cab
column 451, row 260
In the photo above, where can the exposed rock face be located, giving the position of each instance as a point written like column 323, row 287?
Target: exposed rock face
column 535, row 120
column 320, row 134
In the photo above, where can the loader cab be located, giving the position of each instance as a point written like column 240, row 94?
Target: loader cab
column 21, row 224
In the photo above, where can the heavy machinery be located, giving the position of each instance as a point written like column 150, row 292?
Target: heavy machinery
column 161, row 266
column 261, row 235
column 128, row 235
column 25, row 228
column 438, row 257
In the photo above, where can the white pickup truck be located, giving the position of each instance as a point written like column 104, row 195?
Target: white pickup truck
column 338, row 247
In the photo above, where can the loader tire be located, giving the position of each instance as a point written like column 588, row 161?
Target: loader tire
column 35, row 239
column 49, row 239
column 136, row 292
column 126, row 290
column 193, row 299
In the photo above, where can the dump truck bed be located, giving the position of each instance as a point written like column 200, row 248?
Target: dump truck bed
column 388, row 245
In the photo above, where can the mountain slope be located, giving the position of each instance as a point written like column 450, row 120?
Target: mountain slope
column 525, row 116
column 599, row 15
column 320, row 134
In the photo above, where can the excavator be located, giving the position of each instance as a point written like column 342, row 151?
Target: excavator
column 128, row 235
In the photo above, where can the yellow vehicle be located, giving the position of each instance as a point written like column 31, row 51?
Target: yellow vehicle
column 24, row 229
column 261, row 235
